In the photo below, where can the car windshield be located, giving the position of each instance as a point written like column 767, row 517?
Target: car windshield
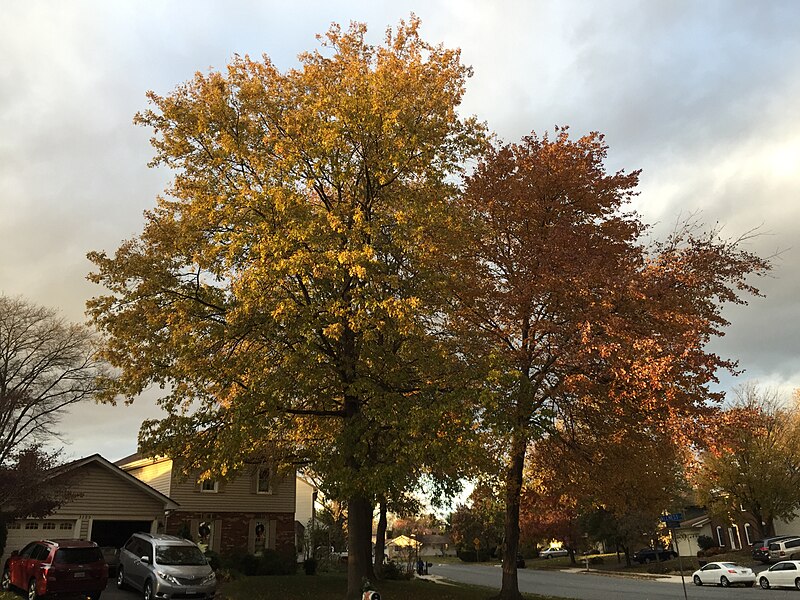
column 77, row 556
column 179, row 555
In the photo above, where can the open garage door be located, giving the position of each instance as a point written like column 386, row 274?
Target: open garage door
column 116, row 533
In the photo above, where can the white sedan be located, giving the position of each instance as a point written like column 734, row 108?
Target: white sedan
column 782, row 574
column 724, row 574
column 553, row 552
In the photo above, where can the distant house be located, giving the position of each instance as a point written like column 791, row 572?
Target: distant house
column 109, row 505
column 251, row 512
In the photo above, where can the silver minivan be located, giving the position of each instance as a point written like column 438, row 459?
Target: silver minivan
column 164, row 567
column 785, row 549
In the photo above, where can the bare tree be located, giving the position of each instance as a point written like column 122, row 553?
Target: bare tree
column 46, row 365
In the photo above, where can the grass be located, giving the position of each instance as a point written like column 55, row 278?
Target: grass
column 332, row 586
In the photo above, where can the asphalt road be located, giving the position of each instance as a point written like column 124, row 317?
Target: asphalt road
column 591, row 586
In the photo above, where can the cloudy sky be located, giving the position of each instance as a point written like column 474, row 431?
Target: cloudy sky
column 703, row 96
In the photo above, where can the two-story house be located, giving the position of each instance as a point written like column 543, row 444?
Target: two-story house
column 247, row 513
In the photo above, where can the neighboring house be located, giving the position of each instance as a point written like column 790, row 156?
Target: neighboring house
column 249, row 513
column 109, row 505
column 686, row 535
column 741, row 531
column 305, row 498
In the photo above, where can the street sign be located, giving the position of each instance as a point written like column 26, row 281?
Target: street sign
column 672, row 518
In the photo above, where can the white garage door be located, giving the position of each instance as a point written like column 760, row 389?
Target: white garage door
column 21, row 533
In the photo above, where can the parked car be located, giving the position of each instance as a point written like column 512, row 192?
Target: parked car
column 782, row 574
column 553, row 552
column 57, row 567
column 164, row 566
column 760, row 548
column 788, row 549
column 646, row 555
column 724, row 574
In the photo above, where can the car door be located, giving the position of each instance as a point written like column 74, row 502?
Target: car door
column 19, row 566
column 133, row 562
column 710, row 574
column 789, row 574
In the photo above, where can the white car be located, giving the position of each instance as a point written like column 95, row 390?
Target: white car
column 782, row 574
column 551, row 552
column 724, row 574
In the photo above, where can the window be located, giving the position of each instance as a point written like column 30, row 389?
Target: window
column 720, row 536
column 31, row 525
column 263, row 485
column 736, row 540
column 210, row 486
column 15, row 525
column 747, row 534
column 65, row 526
column 48, row 525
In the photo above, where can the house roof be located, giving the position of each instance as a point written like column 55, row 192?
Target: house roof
column 169, row 504
column 697, row 522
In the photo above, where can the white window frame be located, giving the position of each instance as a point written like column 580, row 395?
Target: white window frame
column 720, row 534
column 747, row 529
column 212, row 490
column 268, row 471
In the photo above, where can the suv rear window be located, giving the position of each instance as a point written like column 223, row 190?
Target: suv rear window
column 78, row 556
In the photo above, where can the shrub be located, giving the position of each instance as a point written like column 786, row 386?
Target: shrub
column 213, row 559
column 393, row 570
column 596, row 560
column 705, row 542
column 714, row 550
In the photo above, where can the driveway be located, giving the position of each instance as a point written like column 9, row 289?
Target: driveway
column 112, row 593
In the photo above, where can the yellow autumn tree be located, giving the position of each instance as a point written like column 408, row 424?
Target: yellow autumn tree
column 282, row 291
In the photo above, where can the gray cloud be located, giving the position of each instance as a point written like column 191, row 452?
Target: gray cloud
column 701, row 96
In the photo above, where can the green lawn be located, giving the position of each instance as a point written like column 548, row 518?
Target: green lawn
column 332, row 586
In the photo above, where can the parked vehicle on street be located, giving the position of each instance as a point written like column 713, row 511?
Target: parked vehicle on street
column 647, row 555
column 724, row 574
column 553, row 552
column 785, row 549
column 760, row 548
column 57, row 567
column 165, row 567
column 782, row 574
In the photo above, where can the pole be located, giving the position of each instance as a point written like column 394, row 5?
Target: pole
column 680, row 562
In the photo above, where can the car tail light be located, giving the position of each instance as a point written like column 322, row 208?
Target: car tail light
column 731, row 570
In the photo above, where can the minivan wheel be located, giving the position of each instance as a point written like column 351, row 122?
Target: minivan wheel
column 32, row 595
column 147, row 593
column 764, row 583
column 120, row 578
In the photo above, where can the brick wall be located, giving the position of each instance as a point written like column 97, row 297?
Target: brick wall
column 234, row 528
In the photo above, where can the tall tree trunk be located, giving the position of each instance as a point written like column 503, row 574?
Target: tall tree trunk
column 380, row 538
column 359, row 528
column 510, row 585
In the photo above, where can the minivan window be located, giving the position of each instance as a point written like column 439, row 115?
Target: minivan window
column 78, row 556
column 179, row 555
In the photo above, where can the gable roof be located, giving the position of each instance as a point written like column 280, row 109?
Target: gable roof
column 96, row 459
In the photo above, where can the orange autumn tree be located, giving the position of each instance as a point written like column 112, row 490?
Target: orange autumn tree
column 559, row 296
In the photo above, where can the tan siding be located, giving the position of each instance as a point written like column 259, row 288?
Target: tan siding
column 235, row 495
column 157, row 475
column 303, row 494
column 101, row 493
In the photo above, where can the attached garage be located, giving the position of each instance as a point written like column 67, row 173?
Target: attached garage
column 109, row 506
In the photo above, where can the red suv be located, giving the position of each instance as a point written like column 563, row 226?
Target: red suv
column 57, row 567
